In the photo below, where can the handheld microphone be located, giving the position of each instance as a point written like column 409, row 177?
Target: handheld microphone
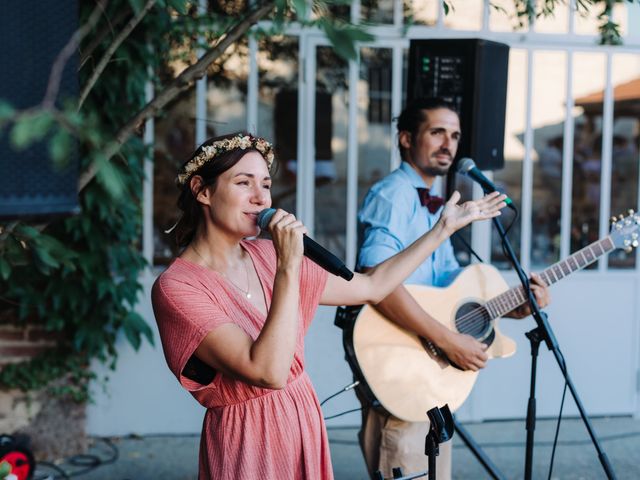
column 468, row 167
column 312, row 250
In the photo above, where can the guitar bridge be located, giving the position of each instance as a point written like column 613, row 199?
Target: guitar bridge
column 436, row 354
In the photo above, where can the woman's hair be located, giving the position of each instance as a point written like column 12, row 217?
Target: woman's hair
column 415, row 114
column 222, row 160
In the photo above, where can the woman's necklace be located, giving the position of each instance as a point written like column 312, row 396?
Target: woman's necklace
column 246, row 270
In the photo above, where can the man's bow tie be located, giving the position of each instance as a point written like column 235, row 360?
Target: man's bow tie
column 432, row 202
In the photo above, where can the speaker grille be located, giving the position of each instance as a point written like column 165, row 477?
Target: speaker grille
column 32, row 34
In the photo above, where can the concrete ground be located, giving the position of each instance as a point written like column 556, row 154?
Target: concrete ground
column 175, row 457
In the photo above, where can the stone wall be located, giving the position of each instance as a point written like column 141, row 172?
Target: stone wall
column 55, row 427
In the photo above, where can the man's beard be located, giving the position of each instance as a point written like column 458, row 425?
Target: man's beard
column 435, row 171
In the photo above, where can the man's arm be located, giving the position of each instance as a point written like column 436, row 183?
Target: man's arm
column 463, row 350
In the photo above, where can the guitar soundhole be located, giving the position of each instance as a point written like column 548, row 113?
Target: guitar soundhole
column 473, row 319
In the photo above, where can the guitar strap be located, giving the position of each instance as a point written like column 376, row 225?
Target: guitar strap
column 346, row 316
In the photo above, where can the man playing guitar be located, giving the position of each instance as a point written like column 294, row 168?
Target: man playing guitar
column 396, row 211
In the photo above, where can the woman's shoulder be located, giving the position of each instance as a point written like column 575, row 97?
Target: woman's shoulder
column 180, row 274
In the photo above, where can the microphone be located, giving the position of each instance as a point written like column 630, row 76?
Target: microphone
column 468, row 167
column 312, row 249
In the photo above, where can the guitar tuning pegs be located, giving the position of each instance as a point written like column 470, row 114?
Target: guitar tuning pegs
column 634, row 243
column 628, row 249
column 630, row 212
column 614, row 219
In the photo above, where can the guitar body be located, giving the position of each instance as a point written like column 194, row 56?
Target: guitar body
column 405, row 373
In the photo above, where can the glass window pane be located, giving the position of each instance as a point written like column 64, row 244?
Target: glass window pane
column 586, row 19
column 631, row 17
column 226, row 92
column 331, row 150
column 503, row 17
column 332, row 10
column 377, row 11
column 174, row 142
column 621, row 17
column 420, row 12
column 278, row 113
column 375, row 136
column 510, row 177
column 625, row 143
column 588, row 85
column 547, row 119
column 464, row 15
column 554, row 22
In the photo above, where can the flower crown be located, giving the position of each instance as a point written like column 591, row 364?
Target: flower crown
column 216, row 149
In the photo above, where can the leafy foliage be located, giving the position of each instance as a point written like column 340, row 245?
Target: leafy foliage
column 80, row 275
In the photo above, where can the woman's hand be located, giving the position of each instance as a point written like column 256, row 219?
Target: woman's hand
column 286, row 232
column 455, row 216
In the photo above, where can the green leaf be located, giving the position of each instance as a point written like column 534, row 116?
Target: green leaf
column 27, row 231
column 15, row 251
column 134, row 326
column 110, row 178
column 52, row 244
column 342, row 43
column 5, row 269
column 45, row 257
column 300, row 6
column 6, row 110
column 5, row 468
column 29, row 129
column 60, row 147
column 181, row 6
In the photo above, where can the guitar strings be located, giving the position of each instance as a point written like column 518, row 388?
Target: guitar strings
column 477, row 314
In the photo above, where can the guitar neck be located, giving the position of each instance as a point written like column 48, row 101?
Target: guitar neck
column 513, row 298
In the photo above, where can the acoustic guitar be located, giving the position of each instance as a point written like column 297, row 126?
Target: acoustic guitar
column 407, row 375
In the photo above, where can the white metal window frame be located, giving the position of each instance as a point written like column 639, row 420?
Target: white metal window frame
column 397, row 38
column 392, row 37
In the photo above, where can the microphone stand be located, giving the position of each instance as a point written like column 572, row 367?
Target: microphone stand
column 543, row 333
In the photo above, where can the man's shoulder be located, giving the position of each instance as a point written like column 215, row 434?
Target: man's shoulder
column 393, row 186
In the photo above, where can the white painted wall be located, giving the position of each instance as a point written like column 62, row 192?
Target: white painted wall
column 594, row 316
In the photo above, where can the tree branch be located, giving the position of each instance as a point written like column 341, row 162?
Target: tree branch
column 100, row 36
column 179, row 84
column 53, row 86
column 111, row 50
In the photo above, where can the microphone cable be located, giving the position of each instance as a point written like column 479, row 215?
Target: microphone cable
column 467, row 245
column 339, row 392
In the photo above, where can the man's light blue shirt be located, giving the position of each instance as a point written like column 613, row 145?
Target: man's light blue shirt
column 392, row 218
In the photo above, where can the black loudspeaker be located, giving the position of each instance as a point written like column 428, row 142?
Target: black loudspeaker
column 32, row 34
column 471, row 74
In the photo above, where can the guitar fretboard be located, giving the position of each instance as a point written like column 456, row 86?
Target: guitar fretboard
column 513, row 298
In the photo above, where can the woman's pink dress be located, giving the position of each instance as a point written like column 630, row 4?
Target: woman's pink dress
column 249, row 432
